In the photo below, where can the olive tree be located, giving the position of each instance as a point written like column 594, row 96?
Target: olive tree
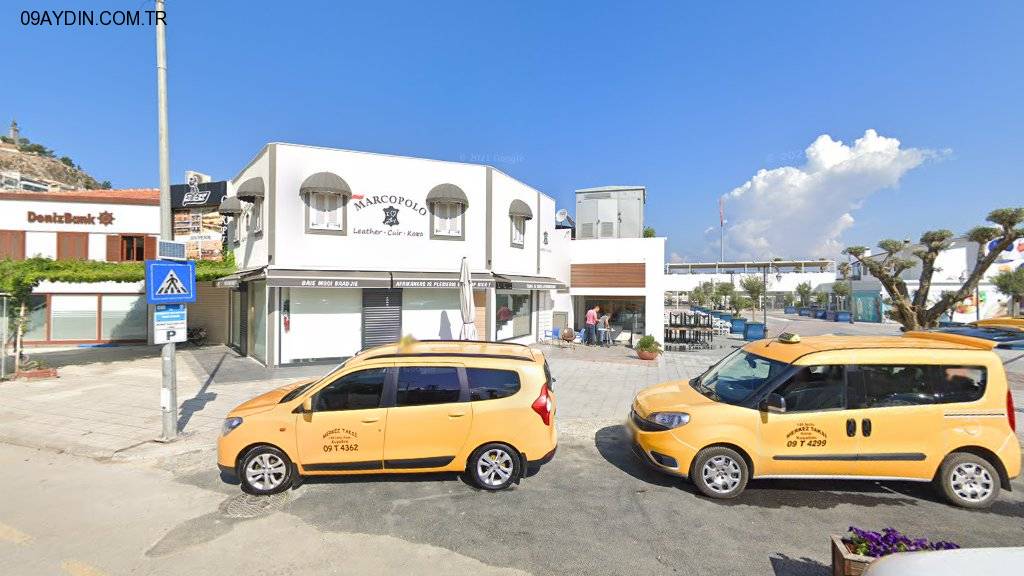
column 804, row 290
column 913, row 312
column 754, row 287
column 1011, row 283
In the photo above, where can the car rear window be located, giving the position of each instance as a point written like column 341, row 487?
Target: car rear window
column 880, row 386
column 489, row 384
column 420, row 385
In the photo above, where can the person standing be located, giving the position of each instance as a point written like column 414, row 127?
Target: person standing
column 604, row 335
column 591, row 322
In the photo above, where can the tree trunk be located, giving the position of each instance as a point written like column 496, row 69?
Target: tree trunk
column 17, row 339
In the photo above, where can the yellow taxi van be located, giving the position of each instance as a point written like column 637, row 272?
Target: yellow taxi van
column 431, row 406
column 924, row 406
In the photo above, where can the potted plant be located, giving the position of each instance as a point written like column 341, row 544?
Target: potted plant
column 852, row 554
column 647, row 348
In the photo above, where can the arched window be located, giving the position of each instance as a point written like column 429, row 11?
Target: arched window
column 447, row 204
column 518, row 213
column 326, row 196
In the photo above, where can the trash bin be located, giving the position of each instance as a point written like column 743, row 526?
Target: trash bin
column 738, row 325
column 753, row 331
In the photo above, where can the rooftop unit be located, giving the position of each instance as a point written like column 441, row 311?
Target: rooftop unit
column 610, row 212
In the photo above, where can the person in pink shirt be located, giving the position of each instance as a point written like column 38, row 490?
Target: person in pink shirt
column 591, row 322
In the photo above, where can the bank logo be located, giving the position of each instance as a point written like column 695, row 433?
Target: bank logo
column 106, row 218
column 391, row 216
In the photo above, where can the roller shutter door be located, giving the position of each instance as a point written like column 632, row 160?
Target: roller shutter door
column 382, row 317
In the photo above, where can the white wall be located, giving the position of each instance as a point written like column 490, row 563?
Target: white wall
column 370, row 175
column 649, row 251
column 44, row 244
column 431, row 314
column 47, row 287
column 325, row 323
column 506, row 259
column 251, row 252
column 97, row 246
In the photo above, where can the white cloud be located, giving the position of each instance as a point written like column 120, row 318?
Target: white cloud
column 676, row 258
column 802, row 212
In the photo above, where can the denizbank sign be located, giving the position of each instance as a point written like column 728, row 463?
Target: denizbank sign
column 389, row 215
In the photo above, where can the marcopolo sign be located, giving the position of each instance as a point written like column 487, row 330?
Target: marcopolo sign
column 389, row 215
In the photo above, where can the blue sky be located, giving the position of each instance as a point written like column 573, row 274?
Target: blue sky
column 688, row 99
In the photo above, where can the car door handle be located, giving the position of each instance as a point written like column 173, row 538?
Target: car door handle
column 456, row 414
column 370, row 420
column 865, row 427
column 851, row 427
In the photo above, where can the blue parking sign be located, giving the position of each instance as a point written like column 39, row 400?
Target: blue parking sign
column 170, row 282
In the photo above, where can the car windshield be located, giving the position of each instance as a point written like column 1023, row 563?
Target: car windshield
column 736, row 377
column 293, row 394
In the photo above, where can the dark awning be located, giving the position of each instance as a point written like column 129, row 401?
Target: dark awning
column 520, row 209
column 250, row 190
column 447, row 193
column 510, row 282
column 233, row 280
column 230, row 206
column 325, row 183
column 437, row 280
column 327, row 279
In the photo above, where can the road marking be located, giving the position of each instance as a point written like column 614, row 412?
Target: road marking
column 76, row 568
column 8, row 534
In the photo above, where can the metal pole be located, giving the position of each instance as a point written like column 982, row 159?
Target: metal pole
column 169, row 383
column 764, row 300
column 3, row 352
column 850, row 280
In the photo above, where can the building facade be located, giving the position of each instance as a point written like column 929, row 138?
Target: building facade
column 339, row 250
column 103, row 225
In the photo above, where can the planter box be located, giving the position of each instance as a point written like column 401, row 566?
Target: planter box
column 820, row 314
column 846, row 563
column 37, row 373
column 804, row 312
column 644, row 355
column 725, row 317
column 753, row 331
column 842, row 316
column 789, row 310
column 738, row 325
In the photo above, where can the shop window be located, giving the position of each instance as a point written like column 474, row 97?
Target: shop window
column 513, row 311
column 325, row 212
column 447, row 220
column 422, row 385
column 355, row 391
column 36, row 328
column 123, row 317
column 518, row 231
column 73, row 317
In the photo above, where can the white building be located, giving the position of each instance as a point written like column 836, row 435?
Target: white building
column 340, row 250
column 104, row 225
column 783, row 276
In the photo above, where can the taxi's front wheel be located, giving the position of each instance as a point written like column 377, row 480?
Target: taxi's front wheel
column 719, row 472
column 968, row 480
column 265, row 470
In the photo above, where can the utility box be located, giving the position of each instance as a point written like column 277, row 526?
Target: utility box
column 610, row 212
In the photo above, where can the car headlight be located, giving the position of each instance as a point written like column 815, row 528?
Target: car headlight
column 669, row 419
column 229, row 425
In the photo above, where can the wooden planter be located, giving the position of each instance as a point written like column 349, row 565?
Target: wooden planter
column 644, row 355
column 36, row 373
column 846, row 563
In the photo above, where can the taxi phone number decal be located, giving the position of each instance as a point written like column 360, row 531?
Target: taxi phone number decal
column 341, row 447
column 341, row 440
column 806, row 435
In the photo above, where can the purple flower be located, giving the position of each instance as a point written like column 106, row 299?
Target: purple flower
column 890, row 541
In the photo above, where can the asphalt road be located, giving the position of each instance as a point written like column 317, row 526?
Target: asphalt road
column 593, row 510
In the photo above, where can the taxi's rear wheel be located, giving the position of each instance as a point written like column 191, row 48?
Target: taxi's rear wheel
column 493, row 466
column 968, row 480
column 719, row 472
column 265, row 470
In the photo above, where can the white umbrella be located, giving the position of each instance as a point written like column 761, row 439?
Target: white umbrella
column 466, row 303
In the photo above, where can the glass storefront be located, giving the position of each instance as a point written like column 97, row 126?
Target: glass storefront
column 626, row 313
column 258, row 322
column 73, row 316
column 36, row 328
column 124, row 317
column 512, row 314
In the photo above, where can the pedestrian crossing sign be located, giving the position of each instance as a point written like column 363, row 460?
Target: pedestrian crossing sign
column 170, row 282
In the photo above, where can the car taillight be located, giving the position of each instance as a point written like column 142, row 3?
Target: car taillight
column 542, row 405
column 1010, row 414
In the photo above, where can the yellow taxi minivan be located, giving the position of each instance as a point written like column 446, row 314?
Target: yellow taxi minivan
column 924, row 407
column 431, row 406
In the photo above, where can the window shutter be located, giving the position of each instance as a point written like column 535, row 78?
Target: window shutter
column 113, row 248
column 150, row 248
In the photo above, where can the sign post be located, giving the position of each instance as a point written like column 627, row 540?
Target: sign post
column 169, row 286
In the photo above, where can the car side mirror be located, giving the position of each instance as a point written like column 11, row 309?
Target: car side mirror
column 307, row 405
column 774, row 403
